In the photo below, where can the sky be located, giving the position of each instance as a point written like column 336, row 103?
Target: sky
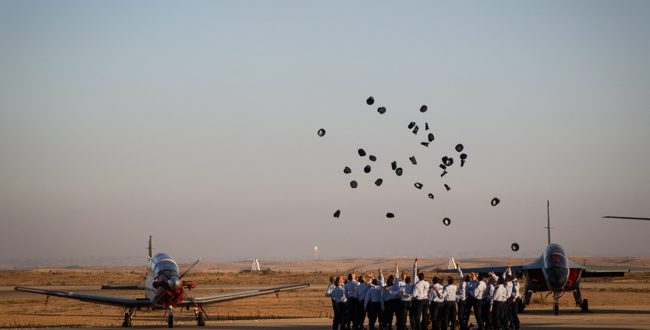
column 196, row 122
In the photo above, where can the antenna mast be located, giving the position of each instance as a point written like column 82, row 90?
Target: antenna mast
column 548, row 220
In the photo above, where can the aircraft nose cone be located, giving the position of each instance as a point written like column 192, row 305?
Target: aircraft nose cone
column 174, row 283
column 557, row 277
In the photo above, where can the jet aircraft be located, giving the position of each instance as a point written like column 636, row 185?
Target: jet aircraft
column 553, row 272
column 165, row 288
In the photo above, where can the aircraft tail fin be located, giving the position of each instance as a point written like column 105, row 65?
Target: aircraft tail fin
column 150, row 248
column 452, row 264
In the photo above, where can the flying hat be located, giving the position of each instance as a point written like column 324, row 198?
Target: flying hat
column 361, row 152
column 450, row 161
column 443, row 173
column 415, row 129
column 337, row 213
column 514, row 247
column 321, row 132
column 446, row 221
column 370, row 100
column 366, row 169
column 418, row 185
column 353, row 184
column 426, row 126
column 447, row 187
column 430, row 137
column 495, row 201
column 347, row 170
column 463, row 156
column 423, row 108
column 413, row 160
column 411, row 124
column 378, row 182
column 442, row 166
column 390, row 215
column 459, row 147
column 372, row 158
column 431, row 195
column 399, row 171
column 426, row 144
column 381, row 110
column 393, row 165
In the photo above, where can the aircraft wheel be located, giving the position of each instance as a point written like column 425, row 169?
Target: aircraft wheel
column 170, row 321
column 556, row 308
column 127, row 321
column 584, row 307
column 200, row 319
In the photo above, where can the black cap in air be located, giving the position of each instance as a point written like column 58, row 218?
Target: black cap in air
column 372, row 158
column 337, row 213
column 430, row 137
column 413, row 160
column 361, row 152
column 446, row 221
column 321, row 132
column 426, row 144
column 495, row 201
column 450, row 161
column 447, row 187
column 411, row 124
column 393, row 165
column 463, row 156
column 367, row 169
column 390, row 215
column 418, row 185
column 347, row 170
column 426, row 126
column 442, row 166
column 459, row 147
column 514, row 247
column 423, row 108
column 431, row 195
column 399, row 171
column 416, row 129
column 353, row 184
column 370, row 100
column 381, row 110
column 378, row 182
column 443, row 173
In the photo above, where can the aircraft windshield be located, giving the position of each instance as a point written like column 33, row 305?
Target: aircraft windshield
column 555, row 257
column 164, row 262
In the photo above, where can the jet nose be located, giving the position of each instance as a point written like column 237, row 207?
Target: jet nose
column 557, row 277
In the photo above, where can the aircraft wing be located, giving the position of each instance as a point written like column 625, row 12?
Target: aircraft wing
column 239, row 295
column 611, row 271
column 123, row 287
column 105, row 300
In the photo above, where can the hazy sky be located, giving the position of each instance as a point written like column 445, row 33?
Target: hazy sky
column 196, row 122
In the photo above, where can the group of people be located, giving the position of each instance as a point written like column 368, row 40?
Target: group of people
column 442, row 303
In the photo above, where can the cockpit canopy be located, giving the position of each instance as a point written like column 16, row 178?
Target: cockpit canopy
column 163, row 262
column 554, row 257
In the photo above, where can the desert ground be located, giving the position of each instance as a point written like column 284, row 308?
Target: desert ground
column 622, row 303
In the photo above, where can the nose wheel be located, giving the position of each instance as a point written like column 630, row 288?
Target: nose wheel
column 128, row 317
column 170, row 317
column 556, row 308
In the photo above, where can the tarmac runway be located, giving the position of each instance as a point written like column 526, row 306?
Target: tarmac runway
column 637, row 317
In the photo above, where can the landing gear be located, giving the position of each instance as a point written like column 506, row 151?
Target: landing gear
column 556, row 302
column 583, row 303
column 170, row 317
column 200, row 319
column 556, row 308
column 128, row 317
column 528, row 294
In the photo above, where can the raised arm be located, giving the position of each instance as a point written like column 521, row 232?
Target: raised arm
column 415, row 271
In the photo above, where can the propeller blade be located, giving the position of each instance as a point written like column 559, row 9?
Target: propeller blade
column 625, row 218
column 185, row 272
